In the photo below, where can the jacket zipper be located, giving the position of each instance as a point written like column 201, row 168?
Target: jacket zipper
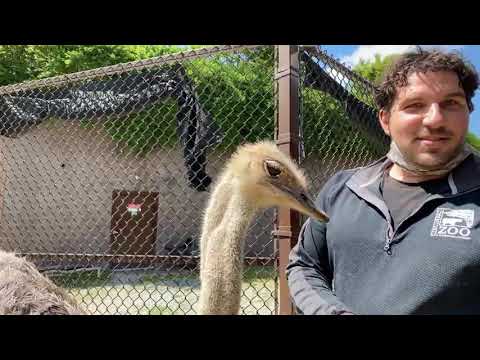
column 388, row 244
column 391, row 234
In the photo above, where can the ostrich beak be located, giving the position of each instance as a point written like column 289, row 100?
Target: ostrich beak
column 308, row 207
column 302, row 202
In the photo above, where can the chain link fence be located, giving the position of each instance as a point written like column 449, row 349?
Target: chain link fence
column 106, row 172
column 338, row 115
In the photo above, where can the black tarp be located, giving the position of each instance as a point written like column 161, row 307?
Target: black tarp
column 120, row 94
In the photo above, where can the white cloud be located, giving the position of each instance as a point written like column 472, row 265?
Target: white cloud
column 368, row 52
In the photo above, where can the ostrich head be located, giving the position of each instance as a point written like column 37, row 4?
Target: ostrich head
column 267, row 178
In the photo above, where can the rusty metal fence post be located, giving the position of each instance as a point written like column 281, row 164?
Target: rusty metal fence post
column 287, row 139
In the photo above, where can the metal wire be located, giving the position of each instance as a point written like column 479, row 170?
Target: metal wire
column 105, row 172
column 338, row 116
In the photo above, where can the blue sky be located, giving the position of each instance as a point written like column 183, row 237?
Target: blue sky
column 351, row 54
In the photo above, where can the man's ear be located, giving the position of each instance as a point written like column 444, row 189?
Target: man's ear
column 384, row 118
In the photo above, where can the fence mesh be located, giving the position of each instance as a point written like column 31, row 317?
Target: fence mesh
column 105, row 173
column 339, row 126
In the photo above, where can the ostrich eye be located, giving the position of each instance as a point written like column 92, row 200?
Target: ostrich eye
column 272, row 168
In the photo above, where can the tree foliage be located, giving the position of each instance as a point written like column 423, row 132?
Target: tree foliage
column 29, row 62
column 373, row 70
column 236, row 89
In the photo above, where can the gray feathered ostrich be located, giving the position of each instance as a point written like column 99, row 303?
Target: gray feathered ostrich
column 25, row 291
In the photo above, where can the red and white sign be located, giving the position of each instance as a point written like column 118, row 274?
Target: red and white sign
column 134, row 209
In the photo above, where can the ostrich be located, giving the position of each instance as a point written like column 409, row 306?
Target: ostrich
column 257, row 176
column 24, row 291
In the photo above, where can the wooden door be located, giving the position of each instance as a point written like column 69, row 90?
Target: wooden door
column 134, row 222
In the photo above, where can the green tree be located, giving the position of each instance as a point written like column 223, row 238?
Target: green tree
column 373, row 70
column 17, row 63
column 473, row 140
column 29, row 62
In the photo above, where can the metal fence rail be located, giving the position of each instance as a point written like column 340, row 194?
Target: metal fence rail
column 106, row 172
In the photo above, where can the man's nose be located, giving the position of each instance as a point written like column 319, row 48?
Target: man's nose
column 434, row 117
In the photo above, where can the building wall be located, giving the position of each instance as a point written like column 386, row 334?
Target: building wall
column 57, row 186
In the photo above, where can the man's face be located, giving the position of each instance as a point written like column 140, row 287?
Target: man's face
column 428, row 119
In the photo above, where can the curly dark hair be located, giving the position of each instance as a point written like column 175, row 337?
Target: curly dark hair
column 396, row 75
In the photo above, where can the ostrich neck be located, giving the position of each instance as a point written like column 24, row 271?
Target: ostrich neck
column 222, row 250
column 237, row 214
column 228, row 212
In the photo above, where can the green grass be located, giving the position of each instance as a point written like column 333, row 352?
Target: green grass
column 154, row 278
column 160, row 310
column 259, row 272
column 158, row 294
column 95, row 278
column 81, row 279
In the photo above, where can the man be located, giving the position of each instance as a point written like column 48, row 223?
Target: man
column 404, row 232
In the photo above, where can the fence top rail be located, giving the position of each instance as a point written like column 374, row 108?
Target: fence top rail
column 328, row 59
column 121, row 68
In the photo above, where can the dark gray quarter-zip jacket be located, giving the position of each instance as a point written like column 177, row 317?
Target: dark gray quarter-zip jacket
column 429, row 265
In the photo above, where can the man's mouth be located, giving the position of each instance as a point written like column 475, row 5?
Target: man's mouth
column 430, row 140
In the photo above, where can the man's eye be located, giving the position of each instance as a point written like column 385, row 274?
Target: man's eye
column 451, row 103
column 415, row 106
